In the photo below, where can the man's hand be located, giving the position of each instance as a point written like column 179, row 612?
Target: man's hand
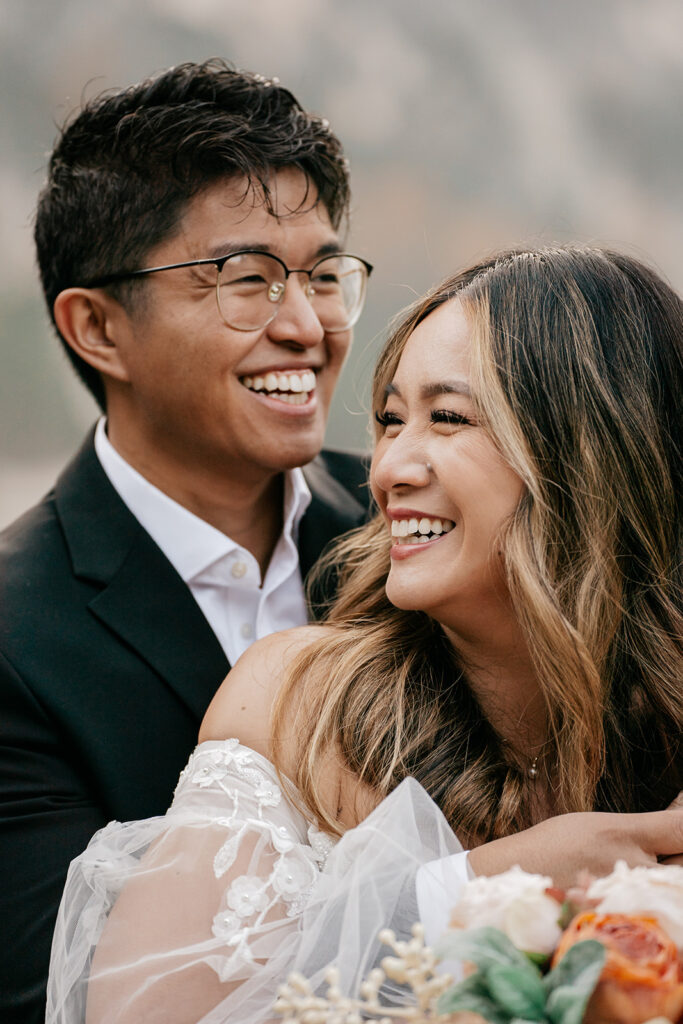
column 564, row 845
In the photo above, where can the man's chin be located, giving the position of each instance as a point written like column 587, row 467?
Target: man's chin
column 299, row 458
column 293, row 454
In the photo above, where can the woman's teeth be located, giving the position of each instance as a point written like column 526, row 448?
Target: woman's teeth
column 294, row 388
column 419, row 531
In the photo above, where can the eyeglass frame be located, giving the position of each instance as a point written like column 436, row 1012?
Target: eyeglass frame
column 219, row 263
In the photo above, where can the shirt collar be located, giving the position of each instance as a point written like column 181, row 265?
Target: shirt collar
column 190, row 544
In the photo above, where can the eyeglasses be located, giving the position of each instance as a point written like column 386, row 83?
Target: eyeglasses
column 250, row 286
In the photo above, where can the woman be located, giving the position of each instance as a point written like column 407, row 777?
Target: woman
column 507, row 633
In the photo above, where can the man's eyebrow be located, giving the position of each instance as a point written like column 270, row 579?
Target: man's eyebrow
column 328, row 249
column 227, row 248
column 441, row 387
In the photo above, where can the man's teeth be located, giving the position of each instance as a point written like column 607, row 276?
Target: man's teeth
column 419, row 531
column 294, row 388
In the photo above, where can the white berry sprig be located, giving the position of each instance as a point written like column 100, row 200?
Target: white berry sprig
column 413, row 965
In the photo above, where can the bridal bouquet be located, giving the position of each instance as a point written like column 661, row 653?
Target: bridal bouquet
column 609, row 951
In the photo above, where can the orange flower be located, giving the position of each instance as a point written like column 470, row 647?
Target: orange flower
column 642, row 977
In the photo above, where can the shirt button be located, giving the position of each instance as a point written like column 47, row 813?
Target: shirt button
column 246, row 630
column 238, row 570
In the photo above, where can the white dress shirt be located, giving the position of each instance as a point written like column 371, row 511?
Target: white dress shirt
column 438, row 885
column 224, row 578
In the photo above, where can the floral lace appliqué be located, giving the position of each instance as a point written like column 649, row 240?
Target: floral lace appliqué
column 293, row 866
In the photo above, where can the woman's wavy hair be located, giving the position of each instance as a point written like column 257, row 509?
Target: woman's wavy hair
column 578, row 377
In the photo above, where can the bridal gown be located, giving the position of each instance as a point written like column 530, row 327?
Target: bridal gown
column 201, row 914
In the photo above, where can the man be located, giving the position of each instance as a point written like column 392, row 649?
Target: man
column 189, row 250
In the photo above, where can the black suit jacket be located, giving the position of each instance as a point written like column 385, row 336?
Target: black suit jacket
column 107, row 666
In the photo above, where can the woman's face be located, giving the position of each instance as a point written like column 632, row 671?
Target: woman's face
column 442, row 485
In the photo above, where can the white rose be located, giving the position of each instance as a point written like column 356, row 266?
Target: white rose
column 517, row 904
column 657, row 891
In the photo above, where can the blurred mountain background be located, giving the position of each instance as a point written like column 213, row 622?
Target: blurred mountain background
column 469, row 126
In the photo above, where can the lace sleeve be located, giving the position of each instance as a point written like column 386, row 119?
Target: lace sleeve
column 163, row 919
column 198, row 916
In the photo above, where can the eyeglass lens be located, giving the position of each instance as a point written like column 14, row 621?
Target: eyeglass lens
column 251, row 287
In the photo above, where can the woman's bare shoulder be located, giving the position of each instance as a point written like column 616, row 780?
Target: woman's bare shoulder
column 243, row 702
column 242, row 708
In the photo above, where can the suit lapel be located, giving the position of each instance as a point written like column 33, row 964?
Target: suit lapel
column 333, row 511
column 149, row 607
column 143, row 600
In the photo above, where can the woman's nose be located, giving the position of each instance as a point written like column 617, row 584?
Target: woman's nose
column 398, row 463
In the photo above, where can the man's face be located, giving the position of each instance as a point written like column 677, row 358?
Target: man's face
column 189, row 395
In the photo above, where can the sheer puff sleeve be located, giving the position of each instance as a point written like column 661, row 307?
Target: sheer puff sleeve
column 199, row 915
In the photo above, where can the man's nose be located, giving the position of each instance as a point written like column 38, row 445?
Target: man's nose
column 296, row 322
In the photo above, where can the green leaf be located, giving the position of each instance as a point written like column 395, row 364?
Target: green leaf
column 567, row 912
column 484, row 947
column 517, row 991
column 451, row 1002
column 570, row 985
column 472, row 991
column 537, row 959
column 473, row 984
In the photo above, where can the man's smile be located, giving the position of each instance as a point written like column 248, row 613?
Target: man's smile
column 294, row 387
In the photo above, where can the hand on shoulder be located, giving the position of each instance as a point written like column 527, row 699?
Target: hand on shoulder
column 243, row 702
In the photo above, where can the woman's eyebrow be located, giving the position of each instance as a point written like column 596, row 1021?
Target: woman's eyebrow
column 441, row 387
column 446, row 387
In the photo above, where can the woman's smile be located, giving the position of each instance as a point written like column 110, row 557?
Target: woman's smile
column 413, row 531
column 440, row 479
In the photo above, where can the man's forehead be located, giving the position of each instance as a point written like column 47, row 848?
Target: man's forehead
column 285, row 194
column 235, row 212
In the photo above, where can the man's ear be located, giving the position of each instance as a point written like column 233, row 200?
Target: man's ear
column 93, row 323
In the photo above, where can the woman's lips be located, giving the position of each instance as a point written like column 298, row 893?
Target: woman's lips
column 419, row 526
column 405, row 550
column 413, row 533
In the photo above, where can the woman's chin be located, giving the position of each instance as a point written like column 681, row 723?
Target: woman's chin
column 408, row 599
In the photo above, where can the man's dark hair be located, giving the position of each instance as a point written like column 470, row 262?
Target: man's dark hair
column 123, row 171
